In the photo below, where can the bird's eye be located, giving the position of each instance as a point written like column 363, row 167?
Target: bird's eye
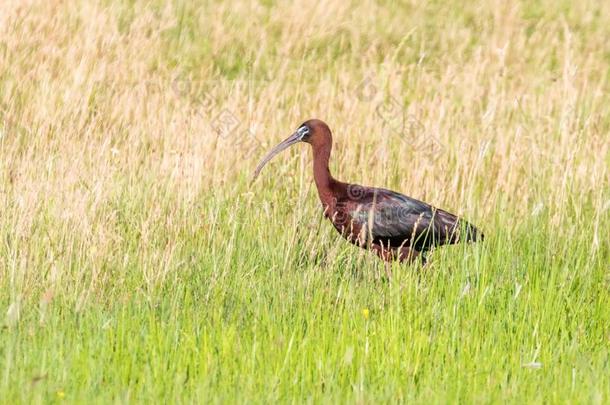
column 303, row 132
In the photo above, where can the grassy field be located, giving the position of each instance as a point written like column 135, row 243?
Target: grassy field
column 138, row 263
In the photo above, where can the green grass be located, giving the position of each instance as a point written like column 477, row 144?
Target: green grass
column 138, row 263
column 244, row 312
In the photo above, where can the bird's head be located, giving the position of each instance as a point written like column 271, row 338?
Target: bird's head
column 314, row 132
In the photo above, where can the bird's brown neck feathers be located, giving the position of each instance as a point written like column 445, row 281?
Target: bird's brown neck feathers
column 321, row 172
column 329, row 189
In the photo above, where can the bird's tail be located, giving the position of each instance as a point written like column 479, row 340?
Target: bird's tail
column 455, row 229
column 466, row 232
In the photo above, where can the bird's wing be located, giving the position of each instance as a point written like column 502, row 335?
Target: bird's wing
column 387, row 215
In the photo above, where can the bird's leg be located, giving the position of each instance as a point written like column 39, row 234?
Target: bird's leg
column 407, row 254
column 387, row 255
column 424, row 259
column 388, row 269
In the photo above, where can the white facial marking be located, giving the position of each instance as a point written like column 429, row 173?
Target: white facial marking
column 302, row 131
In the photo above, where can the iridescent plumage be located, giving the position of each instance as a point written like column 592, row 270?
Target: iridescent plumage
column 393, row 225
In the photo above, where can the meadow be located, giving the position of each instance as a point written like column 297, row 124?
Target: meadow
column 138, row 263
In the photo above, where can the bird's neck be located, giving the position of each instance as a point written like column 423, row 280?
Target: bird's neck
column 325, row 182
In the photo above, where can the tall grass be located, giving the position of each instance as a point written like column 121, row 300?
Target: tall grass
column 138, row 263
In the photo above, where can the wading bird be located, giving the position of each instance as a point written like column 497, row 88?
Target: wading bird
column 393, row 225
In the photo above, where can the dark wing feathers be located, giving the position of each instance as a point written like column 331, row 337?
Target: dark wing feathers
column 395, row 219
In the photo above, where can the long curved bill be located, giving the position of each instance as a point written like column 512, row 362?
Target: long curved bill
column 291, row 140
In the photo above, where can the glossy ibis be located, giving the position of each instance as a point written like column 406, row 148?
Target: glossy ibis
column 391, row 224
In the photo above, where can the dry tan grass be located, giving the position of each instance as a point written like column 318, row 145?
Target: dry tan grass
column 99, row 96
